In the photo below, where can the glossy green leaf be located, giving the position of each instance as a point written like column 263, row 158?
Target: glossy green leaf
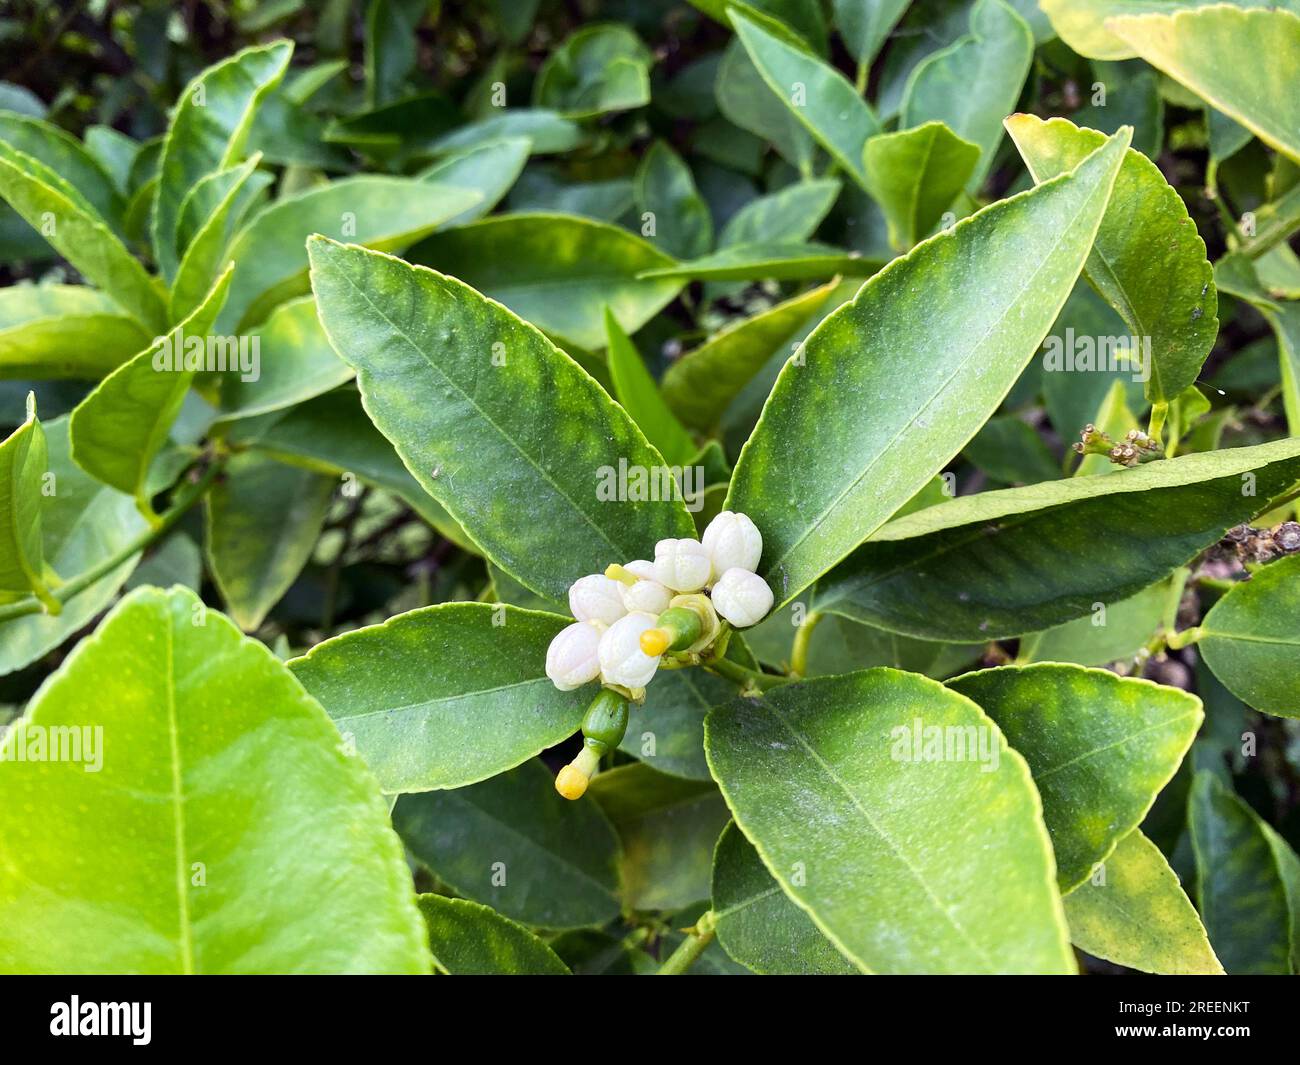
column 974, row 83
column 1103, row 636
column 72, row 226
column 514, row 844
column 1148, row 261
column 907, row 862
column 64, row 155
column 547, row 131
column 1239, row 276
column 385, row 213
column 638, row 393
column 789, row 215
column 668, row 828
column 1011, row 451
column 205, row 249
column 468, row 939
column 43, row 330
column 758, row 925
column 988, row 566
column 1139, row 916
column 700, row 385
column 1243, row 62
column 818, row 95
column 83, row 524
column 665, row 190
column 121, row 426
column 768, row 262
column 1251, row 638
column 245, row 815
column 915, row 175
column 333, row 435
column 295, row 364
column 558, row 272
column 23, row 465
column 510, row 403
column 1100, row 748
column 207, row 133
column 1239, row 885
column 488, row 170
column 442, row 697
column 865, row 24
column 746, row 102
column 595, row 70
column 667, row 731
column 263, row 519
column 823, row 469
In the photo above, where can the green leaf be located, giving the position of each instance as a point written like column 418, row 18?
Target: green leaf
column 333, row 435
column 595, row 70
column 1243, row 62
column 1010, row 451
column 207, row 133
column 974, row 83
column 1100, row 749
column 511, row 404
column 1251, row 638
column 513, row 843
column 788, row 216
column 205, row 249
column 23, row 462
column 1139, row 916
column 1239, row 276
column 747, row 103
column 818, row 95
column 442, row 697
column 547, row 132
column 666, row 191
column 62, row 153
column 668, row 828
column 487, row 170
column 379, row 212
column 468, row 939
column 263, row 519
column 915, row 175
column 865, row 24
column 72, row 226
column 702, row 383
column 758, row 925
column 906, row 863
column 1100, row 637
column 1240, row 887
column 391, row 47
column 43, row 330
column 638, row 393
column 121, row 426
column 988, row 566
column 558, row 272
column 1148, row 261
column 83, row 524
column 768, row 262
column 295, row 363
column 245, row 815
column 822, row 469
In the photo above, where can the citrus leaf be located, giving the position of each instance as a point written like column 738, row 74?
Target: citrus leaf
column 43, row 330
column 468, row 939
column 638, row 394
column 245, row 815
column 915, row 175
column 23, row 467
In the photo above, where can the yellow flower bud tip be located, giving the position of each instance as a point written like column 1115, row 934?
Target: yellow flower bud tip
column 571, row 783
column 654, row 642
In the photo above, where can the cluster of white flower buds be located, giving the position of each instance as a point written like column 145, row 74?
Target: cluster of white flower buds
column 631, row 615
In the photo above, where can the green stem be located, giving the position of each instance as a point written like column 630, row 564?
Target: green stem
column 697, row 939
column 73, row 586
column 860, row 82
column 802, row 636
column 1157, row 423
column 1178, row 640
column 738, row 674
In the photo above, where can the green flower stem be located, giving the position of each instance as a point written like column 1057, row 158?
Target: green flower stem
column 802, row 636
column 1178, row 640
column 746, row 678
column 697, row 939
column 73, row 586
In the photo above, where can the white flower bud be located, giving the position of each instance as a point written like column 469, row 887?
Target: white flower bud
column 597, row 598
column 621, row 659
column 682, row 565
column 743, row 598
column 649, row 597
column 732, row 542
column 641, row 568
column 572, row 659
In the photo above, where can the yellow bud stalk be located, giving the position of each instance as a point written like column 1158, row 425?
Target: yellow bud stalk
column 571, row 782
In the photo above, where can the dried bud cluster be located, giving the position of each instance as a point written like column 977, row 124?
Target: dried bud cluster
column 631, row 615
column 1263, row 545
column 1136, row 447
